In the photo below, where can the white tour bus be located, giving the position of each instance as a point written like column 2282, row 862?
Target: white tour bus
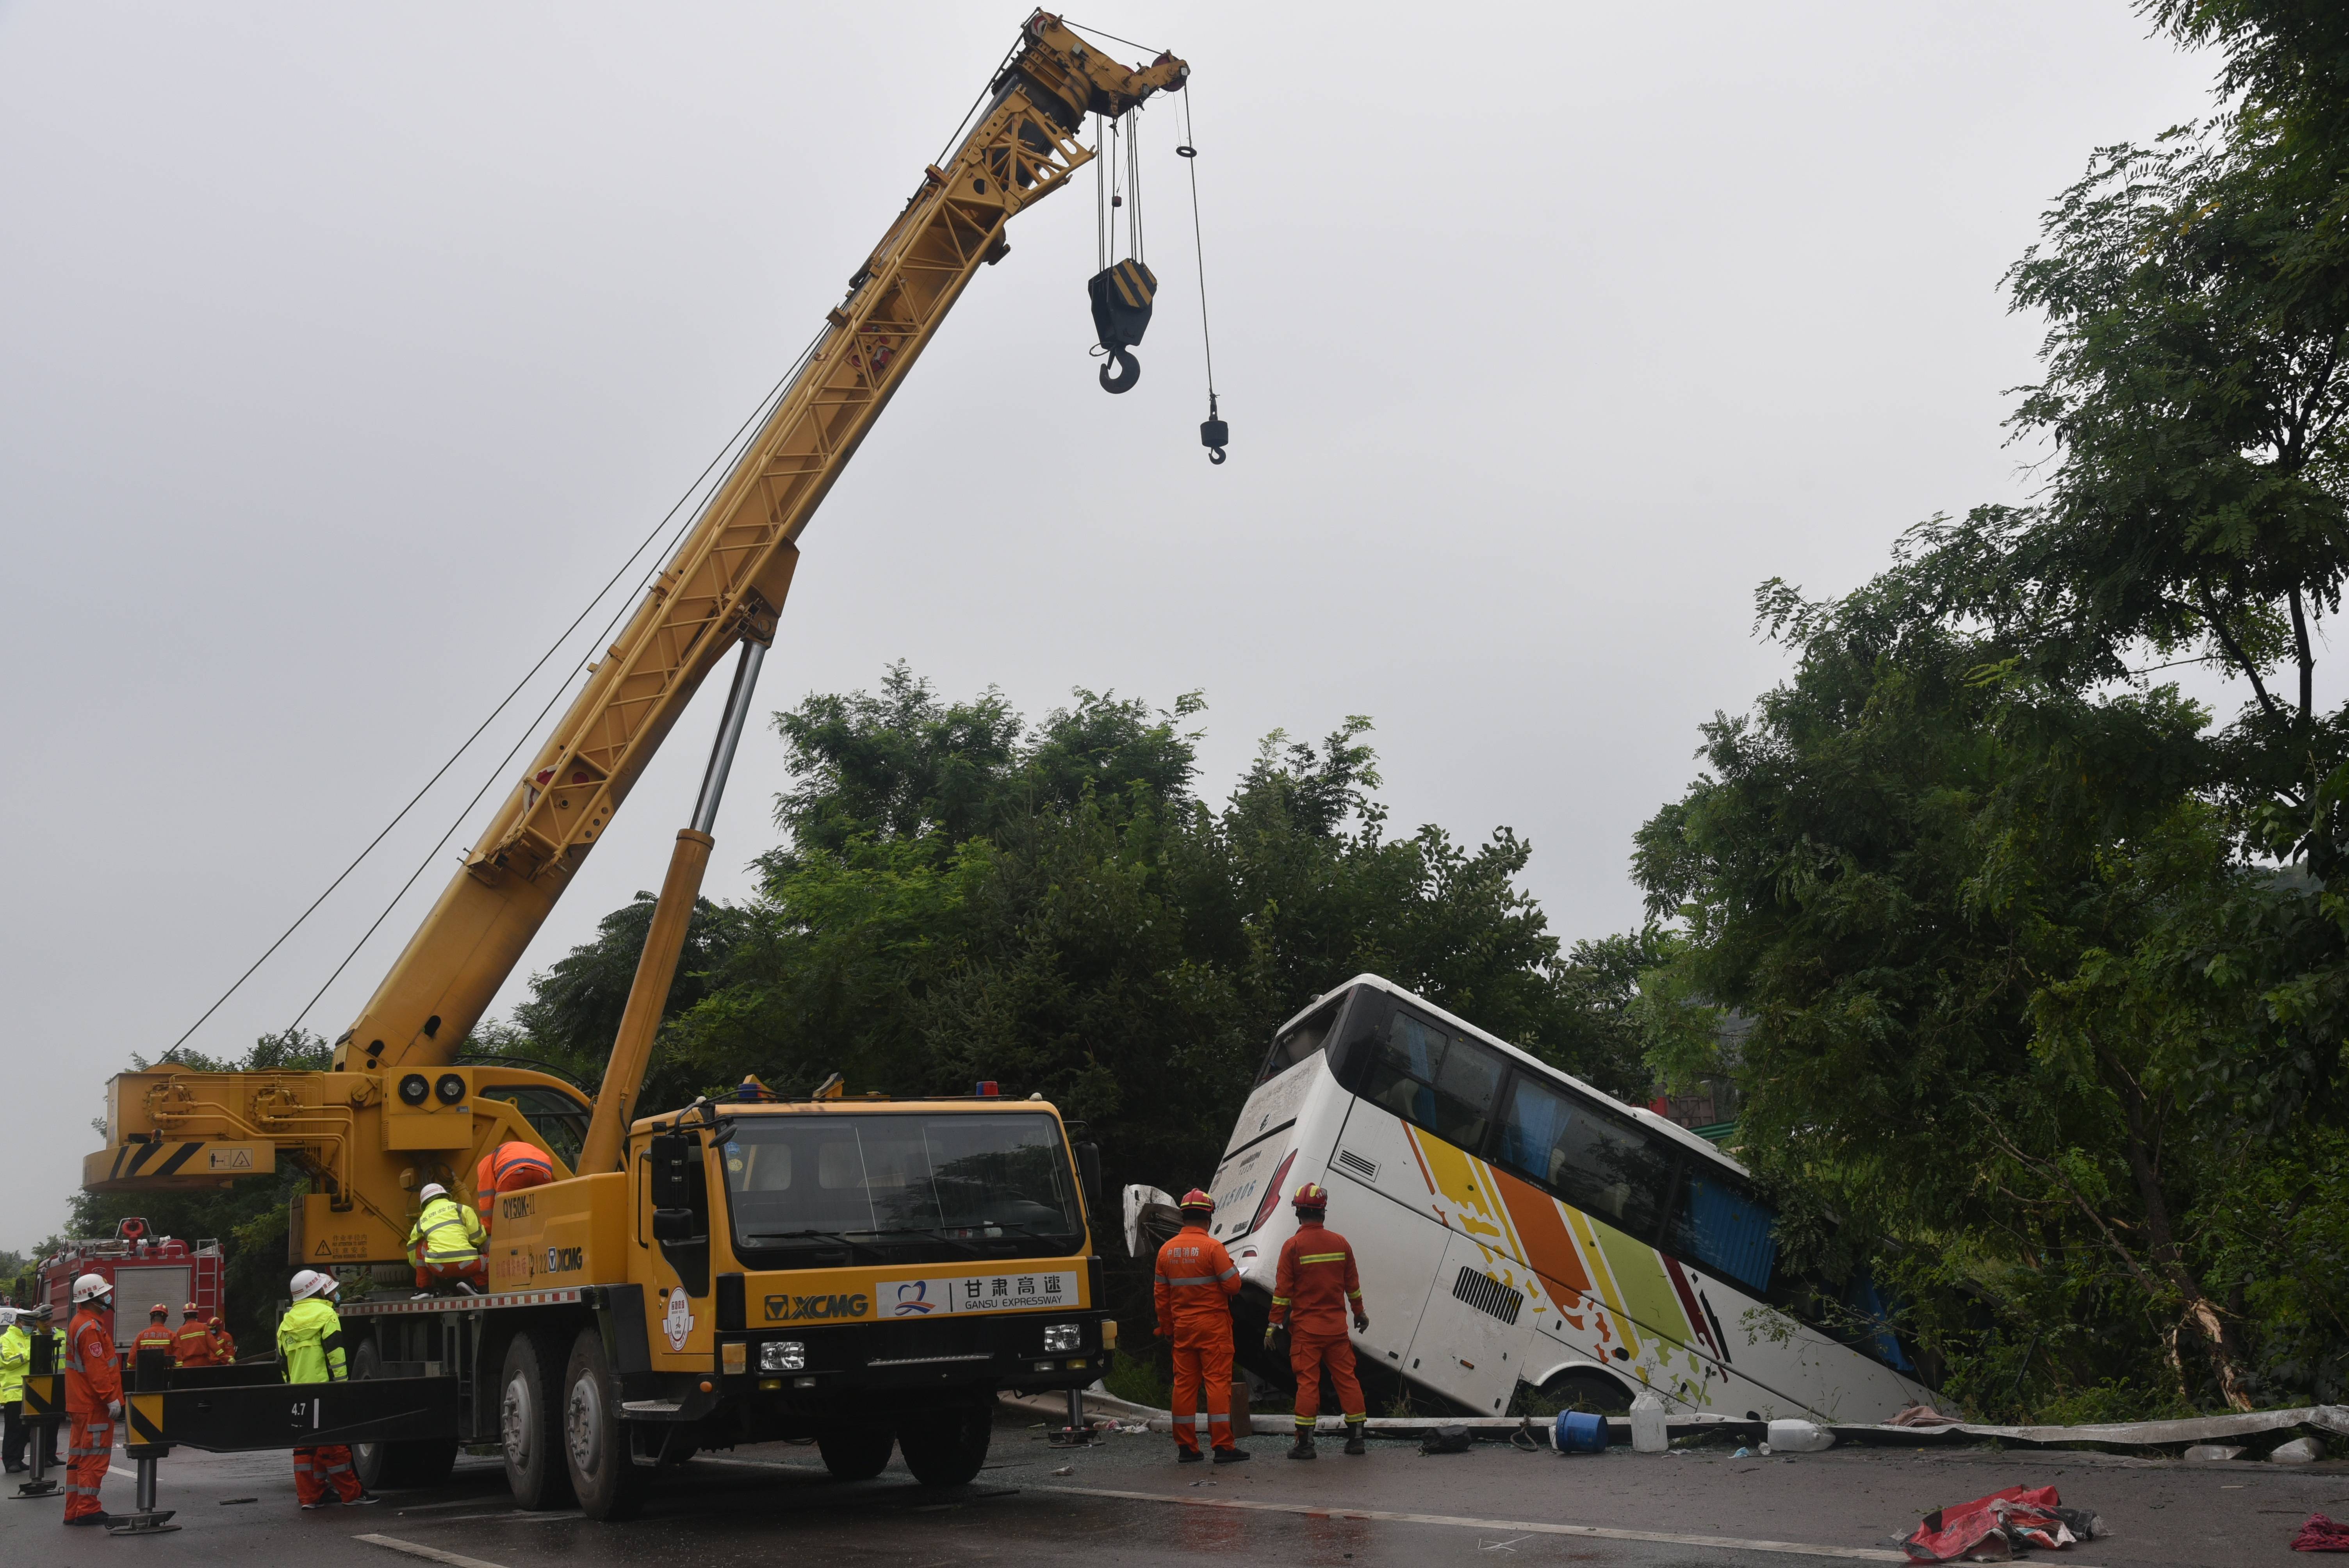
column 1515, row 1224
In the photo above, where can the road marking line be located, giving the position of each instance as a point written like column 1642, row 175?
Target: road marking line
column 1529, row 1526
column 510, row 1513
column 432, row 1554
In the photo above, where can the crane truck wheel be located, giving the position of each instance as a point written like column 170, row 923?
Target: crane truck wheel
column 946, row 1447
column 605, row 1476
column 389, row 1466
column 530, row 1424
column 855, row 1453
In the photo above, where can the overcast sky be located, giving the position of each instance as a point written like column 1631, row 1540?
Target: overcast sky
column 346, row 351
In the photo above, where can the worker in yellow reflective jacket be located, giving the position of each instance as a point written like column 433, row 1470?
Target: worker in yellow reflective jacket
column 310, row 1344
column 446, row 1245
column 15, row 1357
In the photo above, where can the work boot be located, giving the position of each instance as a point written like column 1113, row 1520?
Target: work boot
column 1232, row 1455
column 1302, row 1449
column 363, row 1500
column 1189, row 1456
column 1354, row 1444
column 93, row 1518
column 464, row 1289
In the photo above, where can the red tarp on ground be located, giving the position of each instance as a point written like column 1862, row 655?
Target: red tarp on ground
column 1992, row 1527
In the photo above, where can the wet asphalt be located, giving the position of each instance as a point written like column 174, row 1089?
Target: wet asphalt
column 1124, row 1500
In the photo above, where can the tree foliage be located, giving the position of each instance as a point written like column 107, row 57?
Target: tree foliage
column 2046, row 976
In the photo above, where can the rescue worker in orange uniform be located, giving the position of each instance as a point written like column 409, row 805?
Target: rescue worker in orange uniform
column 1194, row 1289
column 226, row 1342
column 1315, row 1288
column 509, row 1168
column 155, row 1335
column 194, row 1345
column 93, row 1397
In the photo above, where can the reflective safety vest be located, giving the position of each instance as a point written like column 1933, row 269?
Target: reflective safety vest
column 16, row 1359
column 446, row 1233
column 310, row 1338
column 154, row 1336
column 194, row 1345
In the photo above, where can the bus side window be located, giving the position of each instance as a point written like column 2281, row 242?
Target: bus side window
column 1723, row 1227
column 1594, row 1162
column 1432, row 1080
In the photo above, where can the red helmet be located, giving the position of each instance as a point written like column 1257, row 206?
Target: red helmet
column 1195, row 1199
column 1312, row 1196
column 159, row 1310
column 192, row 1309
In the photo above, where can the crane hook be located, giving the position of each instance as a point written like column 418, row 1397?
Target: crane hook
column 1213, row 433
column 1129, row 367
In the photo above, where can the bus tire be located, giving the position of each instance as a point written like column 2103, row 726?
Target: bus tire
column 946, row 1447
column 391, row 1466
column 605, row 1476
column 529, row 1430
column 855, row 1453
column 1588, row 1388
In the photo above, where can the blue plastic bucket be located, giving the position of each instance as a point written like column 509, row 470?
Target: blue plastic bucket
column 1579, row 1432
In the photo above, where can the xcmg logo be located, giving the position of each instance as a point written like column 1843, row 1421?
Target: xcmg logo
column 792, row 1308
column 564, row 1260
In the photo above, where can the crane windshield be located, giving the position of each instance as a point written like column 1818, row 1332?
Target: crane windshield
column 802, row 1190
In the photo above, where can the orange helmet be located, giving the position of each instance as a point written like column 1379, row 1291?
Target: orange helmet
column 159, row 1310
column 1196, row 1199
column 192, row 1309
column 1312, row 1196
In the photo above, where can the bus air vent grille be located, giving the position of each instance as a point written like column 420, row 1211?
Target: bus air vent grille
column 1368, row 1170
column 1488, row 1296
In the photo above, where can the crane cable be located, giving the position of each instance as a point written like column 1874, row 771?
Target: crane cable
column 1214, row 434
column 757, row 416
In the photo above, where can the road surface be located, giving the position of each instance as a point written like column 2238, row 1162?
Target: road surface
column 1125, row 1502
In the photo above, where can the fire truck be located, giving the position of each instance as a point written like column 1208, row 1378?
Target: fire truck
column 144, row 1268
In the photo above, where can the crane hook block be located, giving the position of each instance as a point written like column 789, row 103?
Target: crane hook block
column 1215, row 435
column 1120, row 297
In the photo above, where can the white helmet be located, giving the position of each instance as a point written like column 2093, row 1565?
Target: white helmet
column 431, row 1190
column 309, row 1283
column 90, row 1286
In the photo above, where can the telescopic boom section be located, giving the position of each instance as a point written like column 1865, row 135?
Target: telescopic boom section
column 728, row 579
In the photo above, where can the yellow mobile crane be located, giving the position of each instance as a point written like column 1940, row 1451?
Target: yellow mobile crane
column 866, row 1271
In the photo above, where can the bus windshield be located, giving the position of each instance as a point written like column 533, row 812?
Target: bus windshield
column 829, row 1188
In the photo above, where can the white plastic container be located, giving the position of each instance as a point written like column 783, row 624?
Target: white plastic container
column 1648, row 1434
column 1789, row 1436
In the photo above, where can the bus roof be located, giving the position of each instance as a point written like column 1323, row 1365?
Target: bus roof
column 1641, row 1114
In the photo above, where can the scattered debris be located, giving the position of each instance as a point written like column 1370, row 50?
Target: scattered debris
column 232, row 1501
column 2299, row 1451
column 2322, row 1534
column 1066, row 1469
column 1992, row 1528
column 1579, row 1432
column 1798, row 1437
column 1923, row 1415
column 2206, row 1453
column 1447, row 1440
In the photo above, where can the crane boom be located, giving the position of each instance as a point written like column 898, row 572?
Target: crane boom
column 727, row 580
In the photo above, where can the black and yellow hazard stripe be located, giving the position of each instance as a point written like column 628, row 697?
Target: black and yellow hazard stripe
column 45, row 1394
column 1133, row 282
column 146, row 1412
column 135, row 1158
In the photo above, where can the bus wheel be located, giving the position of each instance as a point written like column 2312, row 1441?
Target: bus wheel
column 1600, row 1393
column 857, row 1453
column 604, row 1473
column 388, row 1466
column 945, row 1448
column 529, row 1428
